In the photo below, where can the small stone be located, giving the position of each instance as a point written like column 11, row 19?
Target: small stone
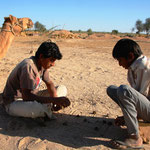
column 31, row 52
column 85, row 120
column 109, row 123
column 77, row 115
column 104, row 122
column 94, row 112
column 65, row 123
column 96, row 128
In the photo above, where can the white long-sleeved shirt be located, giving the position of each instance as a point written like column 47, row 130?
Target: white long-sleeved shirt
column 139, row 75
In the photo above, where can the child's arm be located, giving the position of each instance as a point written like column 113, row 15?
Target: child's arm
column 28, row 95
column 51, row 89
column 139, row 79
column 50, row 85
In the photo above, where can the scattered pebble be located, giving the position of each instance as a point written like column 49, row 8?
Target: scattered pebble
column 94, row 112
column 85, row 120
column 109, row 123
column 104, row 122
column 96, row 128
column 31, row 52
column 65, row 123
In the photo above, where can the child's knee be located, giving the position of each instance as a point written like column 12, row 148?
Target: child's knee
column 108, row 90
column 122, row 91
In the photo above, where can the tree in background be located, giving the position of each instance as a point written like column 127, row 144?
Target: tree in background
column 89, row 32
column 114, row 32
column 147, row 26
column 79, row 31
column 139, row 26
column 132, row 30
column 39, row 27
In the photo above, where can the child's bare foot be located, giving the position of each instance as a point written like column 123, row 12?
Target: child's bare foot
column 130, row 143
column 119, row 121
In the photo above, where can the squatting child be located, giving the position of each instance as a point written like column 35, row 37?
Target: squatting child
column 134, row 100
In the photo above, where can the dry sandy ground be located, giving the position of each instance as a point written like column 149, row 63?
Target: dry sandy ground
column 87, row 68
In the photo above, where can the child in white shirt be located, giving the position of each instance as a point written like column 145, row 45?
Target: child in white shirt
column 134, row 99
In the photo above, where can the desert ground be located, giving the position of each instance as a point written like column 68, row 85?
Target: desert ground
column 87, row 69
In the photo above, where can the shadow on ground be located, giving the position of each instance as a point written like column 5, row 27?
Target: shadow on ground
column 68, row 130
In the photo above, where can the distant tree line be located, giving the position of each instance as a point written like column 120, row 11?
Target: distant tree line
column 143, row 27
column 39, row 27
column 139, row 26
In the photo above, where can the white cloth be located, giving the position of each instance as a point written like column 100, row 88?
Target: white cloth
column 61, row 90
column 139, row 75
column 33, row 109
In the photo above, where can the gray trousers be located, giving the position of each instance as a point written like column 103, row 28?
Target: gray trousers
column 132, row 103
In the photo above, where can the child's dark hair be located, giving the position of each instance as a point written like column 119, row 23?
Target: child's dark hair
column 124, row 46
column 48, row 49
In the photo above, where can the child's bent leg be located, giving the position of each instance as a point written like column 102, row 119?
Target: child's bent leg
column 31, row 109
column 132, row 104
column 112, row 93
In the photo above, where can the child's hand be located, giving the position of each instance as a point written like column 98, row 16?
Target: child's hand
column 119, row 121
column 60, row 102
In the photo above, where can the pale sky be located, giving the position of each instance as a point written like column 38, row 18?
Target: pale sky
column 98, row 15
